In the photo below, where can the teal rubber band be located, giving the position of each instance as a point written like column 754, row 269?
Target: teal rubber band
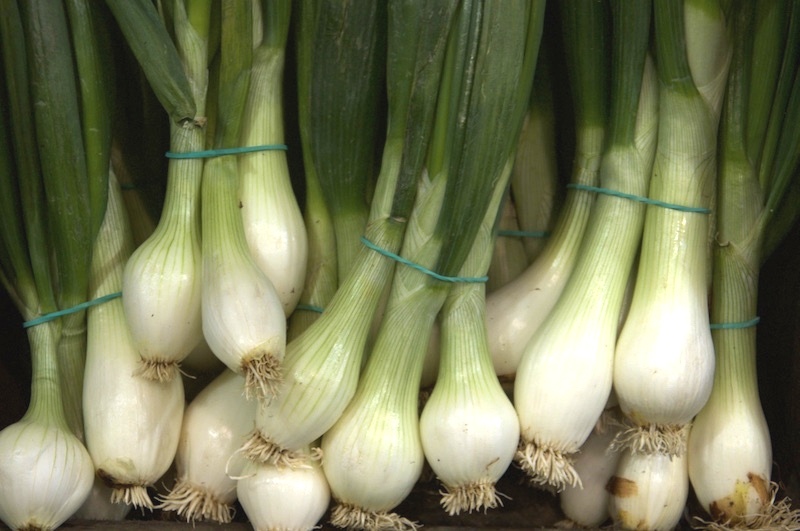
column 418, row 267
column 525, row 233
column 646, row 200
column 130, row 186
column 733, row 326
column 75, row 309
column 309, row 308
column 210, row 153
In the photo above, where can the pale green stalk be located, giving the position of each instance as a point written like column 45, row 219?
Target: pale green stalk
column 729, row 446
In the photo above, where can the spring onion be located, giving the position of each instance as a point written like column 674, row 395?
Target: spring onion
column 291, row 498
column 161, row 286
column 132, row 423
column 664, row 360
column 587, row 505
column 243, row 318
column 468, row 427
column 515, row 311
column 648, row 490
column 730, row 449
column 534, row 182
column 273, row 224
column 214, row 426
column 575, row 343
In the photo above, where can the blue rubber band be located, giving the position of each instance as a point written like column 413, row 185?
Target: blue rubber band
column 309, row 308
column 75, row 309
column 646, row 200
column 733, row 326
column 525, row 233
column 210, row 153
column 418, row 267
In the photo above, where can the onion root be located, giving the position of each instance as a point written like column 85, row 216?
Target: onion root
column 194, row 503
column 349, row 516
column 158, row 370
column 262, row 374
column 546, row 466
column 261, row 449
column 666, row 439
column 475, row 496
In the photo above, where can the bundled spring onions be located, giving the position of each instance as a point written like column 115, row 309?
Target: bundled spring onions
column 576, row 341
column 478, row 99
column 45, row 471
column 322, row 365
column 664, row 360
column 730, row 450
column 369, row 289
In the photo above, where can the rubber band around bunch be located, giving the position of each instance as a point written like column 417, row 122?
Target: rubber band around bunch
column 75, row 309
column 419, row 267
column 639, row 198
column 735, row 326
column 524, row 233
column 211, row 153
column 309, row 308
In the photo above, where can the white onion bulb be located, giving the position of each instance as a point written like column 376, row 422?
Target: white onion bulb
column 283, row 498
column 214, row 426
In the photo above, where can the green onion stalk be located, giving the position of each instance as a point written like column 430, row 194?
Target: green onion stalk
column 339, row 76
column 480, row 108
column 273, row 222
column 530, row 209
column 664, row 360
column 73, row 132
column 730, row 451
column 574, row 347
column 534, row 182
column 322, row 365
column 161, row 285
column 48, row 472
column 515, row 311
column 341, row 63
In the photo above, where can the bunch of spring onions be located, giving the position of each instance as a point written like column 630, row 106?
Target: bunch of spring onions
column 425, row 291
column 54, row 156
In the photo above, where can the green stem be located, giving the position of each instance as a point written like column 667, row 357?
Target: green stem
column 45, row 405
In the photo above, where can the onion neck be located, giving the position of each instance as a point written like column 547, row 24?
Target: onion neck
column 734, row 300
column 46, row 401
column 223, row 231
column 181, row 211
